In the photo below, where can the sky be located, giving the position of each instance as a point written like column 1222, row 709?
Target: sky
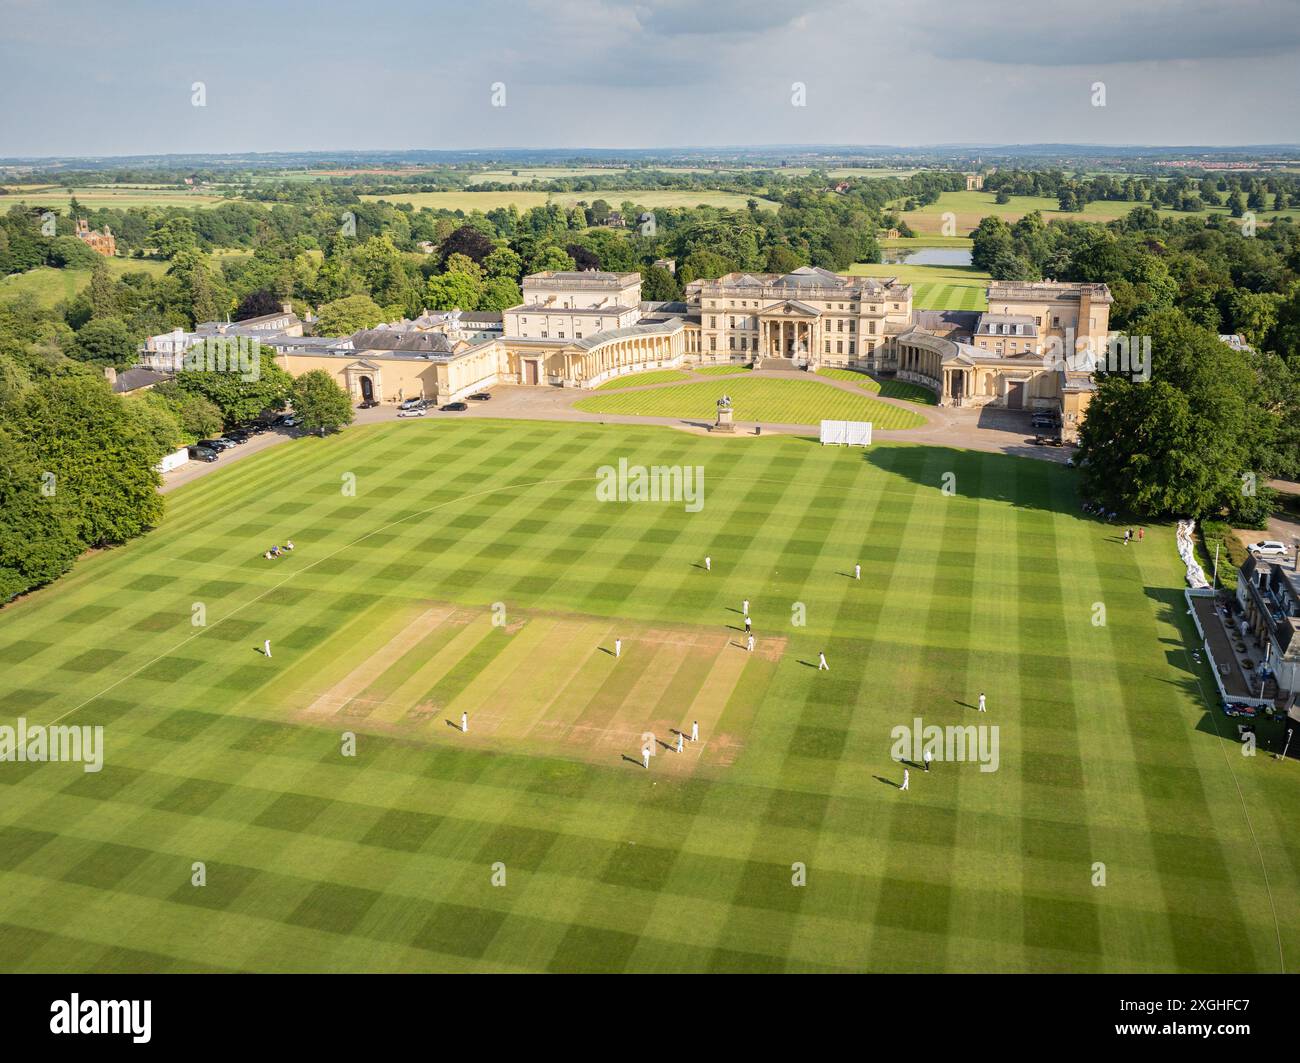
column 121, row 77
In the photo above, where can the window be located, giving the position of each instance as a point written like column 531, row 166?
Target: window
column 828, row 346
column 852, row 323
column 839, row 346
column 731, row 342
column 871, row 327
column 851, row 345
column 733, row 323
column 1056, row 322
column 577, row 335
column 713, row 322
column 839, row 325
column 713, row 343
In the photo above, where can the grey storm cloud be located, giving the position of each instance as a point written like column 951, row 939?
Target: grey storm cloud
column 1103, row 32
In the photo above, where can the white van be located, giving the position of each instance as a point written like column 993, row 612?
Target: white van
column 1268, row 548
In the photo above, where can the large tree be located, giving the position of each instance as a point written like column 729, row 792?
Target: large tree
column 38, row 537
column 97, row 448
column 319, row 403
column 352, row 313
column 241, row 393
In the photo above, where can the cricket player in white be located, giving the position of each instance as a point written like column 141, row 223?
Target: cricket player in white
column 618, row 648
column 679, row 741
column 907, row 780
column 750, row 645
column 645, row 757
column 745, row 608
column 982, row 708
column 695, row 731
column 708, row 563
column 857, row 571
column 821, row 662
column 928, row 757
column 464, row 723
column 266, row 647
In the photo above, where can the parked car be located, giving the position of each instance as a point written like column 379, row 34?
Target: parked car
column 1048, row 439
column 481, row 396
column 412, row 411
column 216, row 444
column 1268, row 548
column 368, row 404
column 413, row 404
column 200, row 453
column 239, row 436
column 455, row 407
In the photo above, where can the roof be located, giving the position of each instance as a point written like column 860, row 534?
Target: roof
column 946, row 320
column 671, row 325
column 407, row 342
column 812, row 277
column 139, row 377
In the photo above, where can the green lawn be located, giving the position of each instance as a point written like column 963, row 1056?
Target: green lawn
column 50, row 285
column 891, row 389
column 720, row 370
column 934, row 287
column 381, row 622
column 637, row 380
column 800, row 401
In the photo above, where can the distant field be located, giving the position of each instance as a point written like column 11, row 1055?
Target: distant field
column 51, row 285
column 800, row 401
column 934, row 287
column 117, row 198
column 485, row 201
column 970, row 207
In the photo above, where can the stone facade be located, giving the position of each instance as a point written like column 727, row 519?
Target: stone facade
column 581, row 329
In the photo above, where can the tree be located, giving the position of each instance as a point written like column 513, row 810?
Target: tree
column 453, row 290
column 658, row 285
column 706, row 264
column 319, row 403
column 342, row 317
column 103, row 292
column 551, row 259
column 503, row 263
column 198, row 417
column 783, row 259
column 258, row 303
column 500, row 293
column 104, row 341
column 467, row 241
column 38, row 539
column 1178, row 443
column 100, row 453
column 174, row 236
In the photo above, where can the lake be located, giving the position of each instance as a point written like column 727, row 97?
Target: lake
column 927, row 256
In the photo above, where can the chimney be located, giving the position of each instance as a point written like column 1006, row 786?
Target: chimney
column 110, row 374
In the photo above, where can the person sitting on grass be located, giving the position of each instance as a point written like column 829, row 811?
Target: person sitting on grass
column 288, row 544
column 275, row 550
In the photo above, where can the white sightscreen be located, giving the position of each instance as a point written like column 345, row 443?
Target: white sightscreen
column 846, row 433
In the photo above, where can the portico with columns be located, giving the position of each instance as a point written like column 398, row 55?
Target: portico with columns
column 788, row 330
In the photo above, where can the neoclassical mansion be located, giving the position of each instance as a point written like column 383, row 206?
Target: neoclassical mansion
column 580, row 329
